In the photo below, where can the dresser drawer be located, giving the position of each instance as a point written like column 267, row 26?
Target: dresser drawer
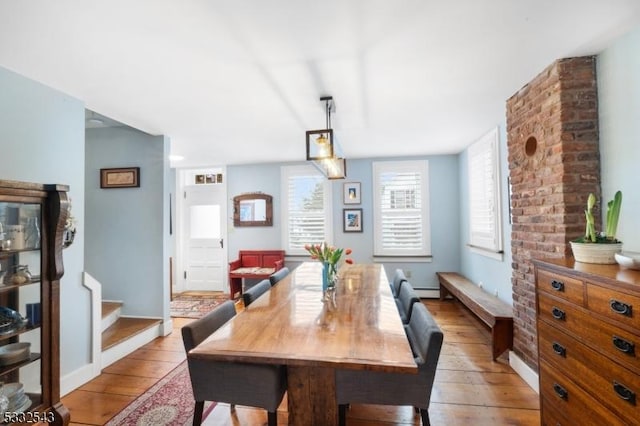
column 561, row 286
column 614, row 385
column 618, row 344
column 550, row 415
column 616, row 305
column 563, row 396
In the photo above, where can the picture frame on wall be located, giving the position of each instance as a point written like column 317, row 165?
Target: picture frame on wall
column 351, row 193
column 352, row 220
column 127, row 177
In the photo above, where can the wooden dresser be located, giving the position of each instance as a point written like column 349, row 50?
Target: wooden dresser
column 588, row 319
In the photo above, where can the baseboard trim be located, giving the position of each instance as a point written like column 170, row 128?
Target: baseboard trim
column 524, row 371
column 77, row 378
column 166, row 327
column 427, row 293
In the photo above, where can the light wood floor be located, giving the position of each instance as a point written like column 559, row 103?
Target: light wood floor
column 469, row 389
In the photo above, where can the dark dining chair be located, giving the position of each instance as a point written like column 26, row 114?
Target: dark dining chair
column 385, row 388
column 396, row 281
column 405, row 301
column 278, row 275
column 256, row 291
column 254, row 385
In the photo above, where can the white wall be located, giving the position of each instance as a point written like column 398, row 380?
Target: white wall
column 42, row 140
column 618, row 70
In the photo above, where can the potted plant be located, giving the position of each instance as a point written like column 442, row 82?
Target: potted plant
column 600, row 247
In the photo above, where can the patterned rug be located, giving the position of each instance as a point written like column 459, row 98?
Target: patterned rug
column 187, row 305
column 168, row 402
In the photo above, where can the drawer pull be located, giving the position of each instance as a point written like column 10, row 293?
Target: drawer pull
column 559, row 349
column 557, row 285
column 558, row 313
column 624, row 392
column 624, row 345
column 620, row 307
column 560, row 391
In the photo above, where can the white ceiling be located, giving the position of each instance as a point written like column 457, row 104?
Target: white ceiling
column 239, row 81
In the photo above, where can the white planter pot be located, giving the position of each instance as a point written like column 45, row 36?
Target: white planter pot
column 595, row 252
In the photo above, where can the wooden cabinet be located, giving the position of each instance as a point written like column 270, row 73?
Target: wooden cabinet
column 588, row 319
column 32, row 219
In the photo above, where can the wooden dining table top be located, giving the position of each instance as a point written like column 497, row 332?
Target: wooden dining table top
column 359, row 328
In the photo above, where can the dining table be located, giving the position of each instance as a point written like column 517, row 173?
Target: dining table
column 314, row 333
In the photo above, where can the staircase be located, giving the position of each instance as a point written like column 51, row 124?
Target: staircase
column 123, row 335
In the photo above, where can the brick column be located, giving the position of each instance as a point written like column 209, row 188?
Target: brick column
column 554, row 163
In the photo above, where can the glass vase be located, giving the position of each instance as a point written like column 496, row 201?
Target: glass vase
column 329, row 277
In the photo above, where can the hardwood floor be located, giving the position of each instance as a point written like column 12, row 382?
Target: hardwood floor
column 469, row 388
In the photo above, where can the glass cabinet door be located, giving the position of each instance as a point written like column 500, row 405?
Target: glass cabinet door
column 20, row 305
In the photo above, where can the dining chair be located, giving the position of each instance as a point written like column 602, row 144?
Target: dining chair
column 278, row 275
column 385, row 388
column 405, row 301
column 396, row 281
column 255, row 385
column 256, row 291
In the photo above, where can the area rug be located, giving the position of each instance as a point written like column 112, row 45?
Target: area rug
column 168, row 402
column 195, row 305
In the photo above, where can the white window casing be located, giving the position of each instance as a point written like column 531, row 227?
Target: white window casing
column 401, row 208
column 306, row 208
column 485, row 218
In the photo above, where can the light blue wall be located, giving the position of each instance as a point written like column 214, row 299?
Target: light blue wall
column 42, row 140
column 495, row 275
column 444, row 215
column 618, row 70
column 128, row 228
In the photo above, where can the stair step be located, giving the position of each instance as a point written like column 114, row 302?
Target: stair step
column 125, row 328
column 110, row 307
column 110, row 313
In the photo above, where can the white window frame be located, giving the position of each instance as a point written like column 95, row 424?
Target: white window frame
column 421, row 167
column 485, row 207
column 287, row 172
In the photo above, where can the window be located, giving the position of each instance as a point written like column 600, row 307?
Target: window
column 485, row 221
column 306, row 208
column 401, row 208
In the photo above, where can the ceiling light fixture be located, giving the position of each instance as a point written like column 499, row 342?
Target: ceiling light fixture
column 95, row 121
column 323, row 149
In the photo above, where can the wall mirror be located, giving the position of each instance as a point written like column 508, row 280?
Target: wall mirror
column 253, row 210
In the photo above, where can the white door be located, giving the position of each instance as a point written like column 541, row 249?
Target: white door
column 204, row 238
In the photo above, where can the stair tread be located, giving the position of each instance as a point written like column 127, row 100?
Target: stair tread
column 125, row 328
column 109, row 307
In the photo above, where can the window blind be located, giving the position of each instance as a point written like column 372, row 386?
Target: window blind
column 484, row 194
column 306, row 208
column 401, row 214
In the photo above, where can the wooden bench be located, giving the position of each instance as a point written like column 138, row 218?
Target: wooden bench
column 253, row 264
column 495, row 313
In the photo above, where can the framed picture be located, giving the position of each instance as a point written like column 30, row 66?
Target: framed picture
column 351, row 193
column 352, row 220
column 128, row 177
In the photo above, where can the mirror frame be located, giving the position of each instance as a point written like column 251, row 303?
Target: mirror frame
column 254, row 196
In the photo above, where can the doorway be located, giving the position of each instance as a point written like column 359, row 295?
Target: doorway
column 202, row 225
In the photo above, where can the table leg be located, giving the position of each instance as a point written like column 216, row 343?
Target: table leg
column 311, row 395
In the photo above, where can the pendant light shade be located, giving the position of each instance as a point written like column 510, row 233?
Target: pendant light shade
column 323, row 149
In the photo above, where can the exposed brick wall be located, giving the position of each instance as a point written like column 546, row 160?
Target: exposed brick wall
column 554, row 163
